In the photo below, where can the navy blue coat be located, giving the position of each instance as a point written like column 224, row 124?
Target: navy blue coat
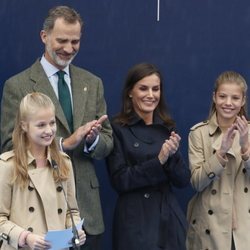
column 147, row 215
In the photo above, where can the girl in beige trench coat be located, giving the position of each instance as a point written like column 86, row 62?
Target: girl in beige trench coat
column 219, row 213
column 31, row 197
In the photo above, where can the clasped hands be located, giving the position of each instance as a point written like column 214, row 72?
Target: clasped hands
column 240, row 125
column 169, row 147
column 87, row 132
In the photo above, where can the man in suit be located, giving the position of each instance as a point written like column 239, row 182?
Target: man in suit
column 61, row 36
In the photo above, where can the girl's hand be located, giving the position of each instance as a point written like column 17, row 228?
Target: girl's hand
column 82, row 236
column 35, row 241
column 227, row 140
column 242, row 126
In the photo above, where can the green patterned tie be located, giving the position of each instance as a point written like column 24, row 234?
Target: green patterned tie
column 64, row 98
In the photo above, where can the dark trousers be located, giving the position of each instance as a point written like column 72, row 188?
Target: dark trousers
column 93, row 242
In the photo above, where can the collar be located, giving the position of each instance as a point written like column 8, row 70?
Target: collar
column 31, row 158
column 50, row 69
column 213, row 124
column 135, row 118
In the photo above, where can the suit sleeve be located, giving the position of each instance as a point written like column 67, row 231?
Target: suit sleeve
column 105, row 143
column 9, row 106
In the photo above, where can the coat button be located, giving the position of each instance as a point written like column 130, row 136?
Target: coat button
column 244, row 170
column 59, row 210
column 194, row 221
column 59, row 189
column 213, row 191
column 30, row 229
column 207, row 231
column 245, row 189
column 146, row 195
column 136, row 144
column 30, row 188
column 210, row 212
column 31, row 209
column 211, row 175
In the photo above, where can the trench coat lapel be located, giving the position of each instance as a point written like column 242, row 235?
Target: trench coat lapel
column 217, row 144
column 42, row 180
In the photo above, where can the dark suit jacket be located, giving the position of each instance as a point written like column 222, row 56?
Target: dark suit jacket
column 147, row 214
column 89, row 104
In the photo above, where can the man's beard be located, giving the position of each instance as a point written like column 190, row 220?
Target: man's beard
column 57, row 60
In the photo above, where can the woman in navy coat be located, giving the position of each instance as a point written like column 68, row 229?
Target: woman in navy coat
column 143, row 167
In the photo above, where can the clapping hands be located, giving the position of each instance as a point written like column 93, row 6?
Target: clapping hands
column 169, row 147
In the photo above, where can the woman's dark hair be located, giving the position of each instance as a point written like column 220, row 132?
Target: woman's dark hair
column 135, row 74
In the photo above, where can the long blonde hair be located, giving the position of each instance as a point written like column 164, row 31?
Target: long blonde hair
column 30, row 105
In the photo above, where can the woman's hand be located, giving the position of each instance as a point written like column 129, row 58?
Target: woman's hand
column 169, row 147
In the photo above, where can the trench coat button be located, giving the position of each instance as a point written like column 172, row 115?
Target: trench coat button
column 146, row 195
column 30, row 188
column 31, row 209
column 59, row 210
column 244, row 170
column 210, row 212
column 245, row 189
column 248, row 210
column 211, row 175
column 30, row 229
column 213, row 191
column 194, row 221
column 207, row 231
column 59, row 189
column 136, row 144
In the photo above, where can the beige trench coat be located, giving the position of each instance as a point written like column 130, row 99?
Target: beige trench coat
column 40, row 207
column 222, row 201
column 89, row 104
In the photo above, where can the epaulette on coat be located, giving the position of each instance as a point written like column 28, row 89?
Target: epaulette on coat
column 6, row 156
column 200, row 124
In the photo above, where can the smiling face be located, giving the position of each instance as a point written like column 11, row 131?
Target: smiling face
column 145, row 97
column 40, row 128
column 228, row 99
column 62, row 43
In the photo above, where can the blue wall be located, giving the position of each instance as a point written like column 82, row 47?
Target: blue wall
column 192, row 43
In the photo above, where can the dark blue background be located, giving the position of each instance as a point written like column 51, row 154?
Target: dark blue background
column 194, row 41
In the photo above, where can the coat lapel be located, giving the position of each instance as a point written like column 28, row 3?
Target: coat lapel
column 79, row 92
column 42, row 180
column 42, row 84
